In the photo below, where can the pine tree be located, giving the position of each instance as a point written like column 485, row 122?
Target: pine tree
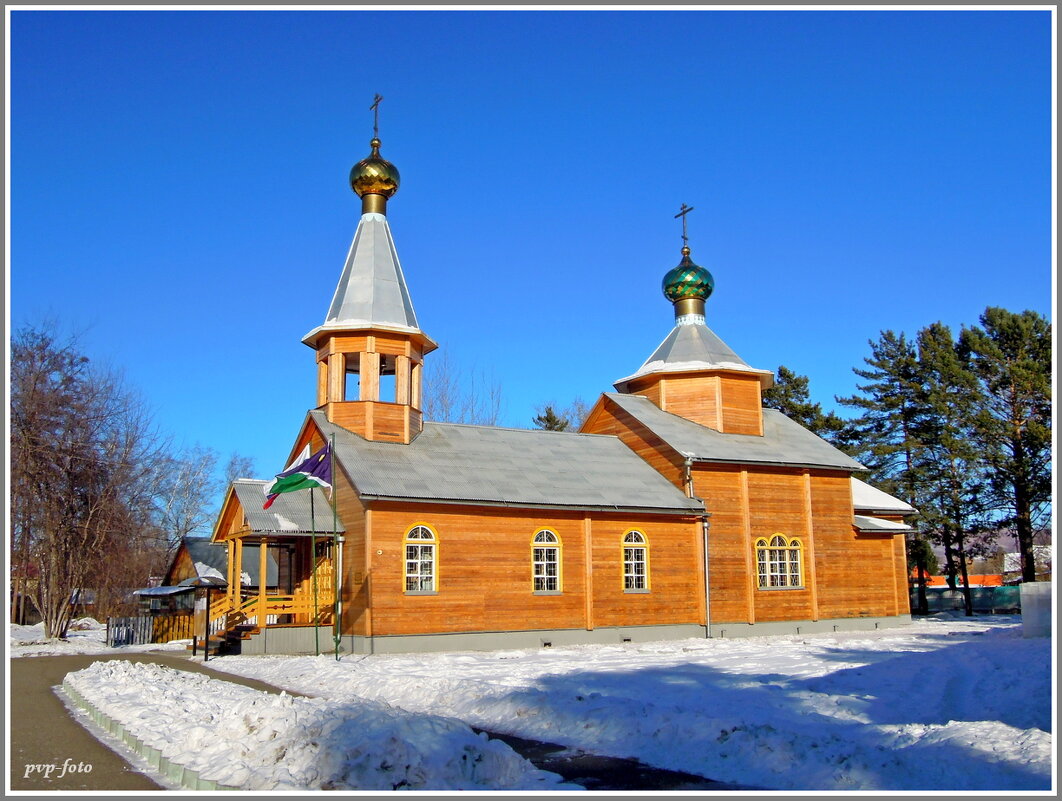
column 791, row 397
column 549, row 420
column 953, row 483
column 884, row 436
column 890, row 407
column 1011, row 355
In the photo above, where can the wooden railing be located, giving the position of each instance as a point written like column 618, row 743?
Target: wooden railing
column 296, row 608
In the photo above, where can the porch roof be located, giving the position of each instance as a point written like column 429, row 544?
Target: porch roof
column 290, row 512
column 877, row 525
column 169, row 589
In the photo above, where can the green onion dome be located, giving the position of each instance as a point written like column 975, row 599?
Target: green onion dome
column 374, row 175
column 688, row 280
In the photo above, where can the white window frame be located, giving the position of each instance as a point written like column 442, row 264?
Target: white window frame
column 545, row 553
column 635, row 562
column 421, row 559
column 779, row 563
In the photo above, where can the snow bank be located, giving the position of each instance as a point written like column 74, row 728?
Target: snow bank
column 253, row 740
column 949, row 704
column 84, row 636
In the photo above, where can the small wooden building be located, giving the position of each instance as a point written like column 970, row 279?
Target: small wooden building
column 683, row 507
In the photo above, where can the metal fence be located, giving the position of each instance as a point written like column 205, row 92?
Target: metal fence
column 148, row 629
column 995, row 600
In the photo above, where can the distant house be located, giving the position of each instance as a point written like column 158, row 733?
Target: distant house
column 198, row 557
column 1042, row 555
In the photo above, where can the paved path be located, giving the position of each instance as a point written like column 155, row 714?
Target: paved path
column 43, row 733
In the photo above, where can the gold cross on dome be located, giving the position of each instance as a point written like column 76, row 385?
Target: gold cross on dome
column 375, row 109
column 682, row 213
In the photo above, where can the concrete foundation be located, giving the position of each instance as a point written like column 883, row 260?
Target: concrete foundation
column 300, row 640
column 724, row 630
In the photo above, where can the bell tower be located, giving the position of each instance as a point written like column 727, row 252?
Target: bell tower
column 370, row 349
column 693, row 373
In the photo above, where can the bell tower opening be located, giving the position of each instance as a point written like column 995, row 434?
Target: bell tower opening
column 388, row 379
column 352, row 383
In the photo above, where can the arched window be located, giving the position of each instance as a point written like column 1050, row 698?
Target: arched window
column 421, row 558
column 635, row 562
column 545, row 562
column 779, row 562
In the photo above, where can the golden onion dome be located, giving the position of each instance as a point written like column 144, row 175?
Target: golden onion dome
column 374, row 175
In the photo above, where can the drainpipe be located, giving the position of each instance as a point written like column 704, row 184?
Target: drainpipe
column 687, row 480
column 707, row 594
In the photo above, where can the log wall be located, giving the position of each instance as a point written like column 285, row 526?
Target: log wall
column 484, row 578
column 355, row 613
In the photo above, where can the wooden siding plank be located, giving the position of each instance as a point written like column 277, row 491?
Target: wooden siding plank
column 751, row 570
column 809, row 546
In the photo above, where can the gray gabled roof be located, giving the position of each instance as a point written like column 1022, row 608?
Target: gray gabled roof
column 693, row 346
column 372, row 291
column 783, row 443
column 484, row 465
column 290, row 512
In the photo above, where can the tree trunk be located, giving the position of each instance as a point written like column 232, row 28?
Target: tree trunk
column 923, row 600
column 967, row 596
column 1023, row 524
column 949, row 560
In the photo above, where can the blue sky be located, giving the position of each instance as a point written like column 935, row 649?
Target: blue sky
column 178, row 189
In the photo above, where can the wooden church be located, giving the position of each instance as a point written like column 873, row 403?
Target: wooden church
column 682, row 508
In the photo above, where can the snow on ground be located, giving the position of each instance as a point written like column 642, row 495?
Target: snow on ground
column 254, row 740
column 944, row 703
column 85, row 636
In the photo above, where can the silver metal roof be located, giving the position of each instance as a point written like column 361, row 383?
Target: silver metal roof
column 290, row 512
column 169, row 589
column 783, row 442
column 372, row 291
column 866, row 498
column 501, row 466
column 694, row 346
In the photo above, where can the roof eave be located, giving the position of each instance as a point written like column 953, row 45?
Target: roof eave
column 313, row 338
column 766, row 377
column 802, row 465
column 670, row 510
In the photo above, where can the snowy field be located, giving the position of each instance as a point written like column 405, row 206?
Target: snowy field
column 947, row 703
column 85, row 636
column 942, row 704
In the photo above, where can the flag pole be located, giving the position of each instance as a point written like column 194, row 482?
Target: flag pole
column 337, row 561
column 313, row 563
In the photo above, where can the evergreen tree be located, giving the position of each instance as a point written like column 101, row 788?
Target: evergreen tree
column 1011, row 355
column 790, row 396
column 884, row 436
column 549, row 420
column 954, row 497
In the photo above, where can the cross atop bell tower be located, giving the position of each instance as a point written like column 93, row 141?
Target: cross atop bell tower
column 682, row 213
